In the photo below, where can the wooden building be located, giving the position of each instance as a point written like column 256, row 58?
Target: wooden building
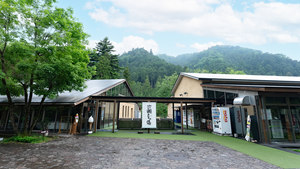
column 58, row 114
column 273, row 101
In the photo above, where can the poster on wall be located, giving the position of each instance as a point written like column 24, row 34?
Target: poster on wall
column 148, row 115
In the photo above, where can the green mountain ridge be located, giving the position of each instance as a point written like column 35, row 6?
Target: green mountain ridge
column 143, row 64
column 250, row 61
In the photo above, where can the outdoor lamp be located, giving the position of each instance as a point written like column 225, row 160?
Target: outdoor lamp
column 91, row 121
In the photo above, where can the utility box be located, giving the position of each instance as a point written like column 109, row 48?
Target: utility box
column 221, row 120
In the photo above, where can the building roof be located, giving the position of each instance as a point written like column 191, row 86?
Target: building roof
column 252, row 82
column 93, row 88
column 240, row 78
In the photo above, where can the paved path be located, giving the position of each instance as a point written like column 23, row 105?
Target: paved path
column 95, row 152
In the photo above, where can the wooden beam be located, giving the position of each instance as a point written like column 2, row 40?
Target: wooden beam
column 114, row 116
column 262, row 89
column 152, row 99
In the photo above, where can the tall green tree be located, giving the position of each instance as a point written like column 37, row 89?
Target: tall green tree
column 42, row 53
column 163, row 88
column 106, row 63
column 126, row 74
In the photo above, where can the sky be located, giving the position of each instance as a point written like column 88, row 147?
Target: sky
column 175, row 27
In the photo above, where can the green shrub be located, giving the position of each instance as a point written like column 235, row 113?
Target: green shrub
column 24, row 139
column 297, row 150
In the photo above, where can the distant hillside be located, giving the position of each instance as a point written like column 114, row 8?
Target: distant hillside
column 142, row 64
column 219, row 58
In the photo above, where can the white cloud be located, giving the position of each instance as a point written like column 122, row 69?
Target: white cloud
column 180, row 45
column 205, row 46
column 130, row 42
column 92, row 44
column 257, row 23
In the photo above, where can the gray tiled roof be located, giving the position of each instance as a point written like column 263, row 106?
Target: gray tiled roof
column 92, row 87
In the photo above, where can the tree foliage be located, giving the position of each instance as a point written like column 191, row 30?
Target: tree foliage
column 105, row 62
column 42, row 52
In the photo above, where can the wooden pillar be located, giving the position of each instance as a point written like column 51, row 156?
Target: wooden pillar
column 69, row 113
column 108, row 114
column 173, row 115
column 96, row 116
column 266, row 140
column 118, row 114
column 43, row 116
column 114, row 116
column 186, row 117
column 32, row 117
column 56, row 110
column 6, row 120
column 181, row 111
column 19, row 119
column 80, row 117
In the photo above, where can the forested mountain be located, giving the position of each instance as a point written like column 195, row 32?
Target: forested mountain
column 220, row 58
column 143, row 64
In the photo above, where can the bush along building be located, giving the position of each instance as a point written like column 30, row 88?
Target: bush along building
column 58, row 114
column 272, row 102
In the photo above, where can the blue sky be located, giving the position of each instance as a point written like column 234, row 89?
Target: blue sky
column 176, row 27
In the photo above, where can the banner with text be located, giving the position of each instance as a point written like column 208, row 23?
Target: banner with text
column 149, row 115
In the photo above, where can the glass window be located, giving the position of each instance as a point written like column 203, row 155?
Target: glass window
column 275, row 100
column 210, row 94
column 230, row 97
column 295, row 100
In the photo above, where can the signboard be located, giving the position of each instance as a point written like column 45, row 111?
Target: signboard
column 247, row 137
column 148, row 115
column 190, row 117
column 225, row 116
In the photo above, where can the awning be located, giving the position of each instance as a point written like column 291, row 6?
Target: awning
column 242, row 100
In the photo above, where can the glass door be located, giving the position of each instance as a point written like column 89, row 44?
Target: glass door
column 295, row 110
column 279, row 123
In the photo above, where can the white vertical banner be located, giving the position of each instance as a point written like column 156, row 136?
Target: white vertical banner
column 149, row 115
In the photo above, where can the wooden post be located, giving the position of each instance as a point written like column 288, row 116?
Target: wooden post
column 32, row 117
column 266, row 140
column 43, row 117
column 118, row 115
column 114, row 116
column 96, row 116
column 59, row 125
column 186, row 117
column 19, row 120
column 80, row 117
column 173, row 116
column 6, row 120
column 69, row 113
column 56, row 110
column 181, row 112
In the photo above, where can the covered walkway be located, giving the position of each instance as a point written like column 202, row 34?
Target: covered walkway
column 179, row 100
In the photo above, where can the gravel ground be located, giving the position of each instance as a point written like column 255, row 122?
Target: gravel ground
column 96, row 152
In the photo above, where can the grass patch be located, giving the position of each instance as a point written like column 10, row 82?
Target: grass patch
column 274, row 156
column 27, row 139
